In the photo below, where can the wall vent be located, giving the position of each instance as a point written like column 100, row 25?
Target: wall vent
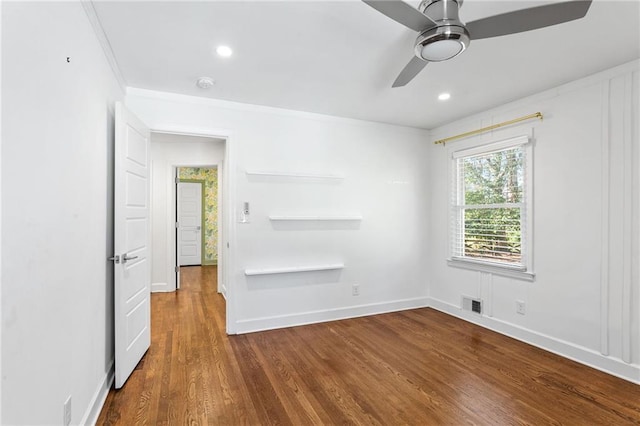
column 471, row 304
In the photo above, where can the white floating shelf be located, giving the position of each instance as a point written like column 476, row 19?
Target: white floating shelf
column 290, row 269
column 314, row 218
column 294, row 175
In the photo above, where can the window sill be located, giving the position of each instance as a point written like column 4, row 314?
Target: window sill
column 504, row 271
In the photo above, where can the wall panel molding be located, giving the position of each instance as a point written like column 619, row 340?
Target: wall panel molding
column 604, row 232
column 628, row 197
column 619, row 200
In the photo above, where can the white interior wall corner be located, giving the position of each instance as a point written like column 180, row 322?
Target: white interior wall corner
column 585, row 302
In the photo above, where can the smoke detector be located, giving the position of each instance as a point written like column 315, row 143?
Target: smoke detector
column 205, row 82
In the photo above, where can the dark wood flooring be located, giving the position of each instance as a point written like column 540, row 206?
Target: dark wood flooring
column 418, row 367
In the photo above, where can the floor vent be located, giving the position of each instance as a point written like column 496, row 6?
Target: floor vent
column 473, row 305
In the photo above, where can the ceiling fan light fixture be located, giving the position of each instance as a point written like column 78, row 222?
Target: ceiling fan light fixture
column 442, row 43
column 441, row 50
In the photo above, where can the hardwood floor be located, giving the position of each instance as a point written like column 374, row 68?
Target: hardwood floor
column 417, row 367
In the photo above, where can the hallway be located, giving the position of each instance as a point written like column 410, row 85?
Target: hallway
column 412, row 367
column 183, row 376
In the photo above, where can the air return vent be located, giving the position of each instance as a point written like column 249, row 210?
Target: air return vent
column 471, row 304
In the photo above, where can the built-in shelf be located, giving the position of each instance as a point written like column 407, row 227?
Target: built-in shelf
column 295, row 175
column 290, row 269
column 314, row 218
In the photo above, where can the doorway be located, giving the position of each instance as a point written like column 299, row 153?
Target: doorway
column 198, row 217
column 171, row 152
column 191, row 146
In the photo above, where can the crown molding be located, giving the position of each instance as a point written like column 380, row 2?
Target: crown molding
column 92, row 15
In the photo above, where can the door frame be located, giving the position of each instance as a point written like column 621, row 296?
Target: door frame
column 227, row 254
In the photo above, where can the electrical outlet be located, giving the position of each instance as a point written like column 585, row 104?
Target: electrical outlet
column 67, row 412
column 355, row 290
column 521, row 307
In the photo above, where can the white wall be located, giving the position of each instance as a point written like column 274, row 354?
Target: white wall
column 384, row 181
column 57, row 153
column 167, row 152
column 1, row 213
column 585, row 300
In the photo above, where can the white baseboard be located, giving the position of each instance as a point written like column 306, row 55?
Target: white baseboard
column 161, row 288
column 99, row 397
column 586, row 356
column 312, row 317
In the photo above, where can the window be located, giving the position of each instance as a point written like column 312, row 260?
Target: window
column 490, row 209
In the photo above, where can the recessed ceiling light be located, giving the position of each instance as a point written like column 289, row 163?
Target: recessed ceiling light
column 224, row 51
column 205, row 82
column 444, row 96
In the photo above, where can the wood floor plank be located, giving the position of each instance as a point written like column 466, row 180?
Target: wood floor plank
column 418, row 367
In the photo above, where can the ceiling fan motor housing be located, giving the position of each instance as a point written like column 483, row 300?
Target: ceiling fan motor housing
column 443, row 36
column 448, row 38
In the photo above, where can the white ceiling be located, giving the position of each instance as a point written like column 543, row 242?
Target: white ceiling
column 340, row 58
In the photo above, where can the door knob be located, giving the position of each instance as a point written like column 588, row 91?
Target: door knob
column 198, row 228
column 127, row 257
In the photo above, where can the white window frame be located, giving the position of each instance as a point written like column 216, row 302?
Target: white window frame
column 525, row 269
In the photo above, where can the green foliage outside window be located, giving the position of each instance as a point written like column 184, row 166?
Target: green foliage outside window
column 493, row 192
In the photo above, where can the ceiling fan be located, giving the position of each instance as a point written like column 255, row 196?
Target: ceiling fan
column 443, row 36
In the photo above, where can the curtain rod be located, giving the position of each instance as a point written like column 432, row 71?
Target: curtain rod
column 486, row 129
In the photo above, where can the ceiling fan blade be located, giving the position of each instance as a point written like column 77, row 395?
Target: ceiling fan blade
column 527, row 19
column 403, row 13
column 412, row 69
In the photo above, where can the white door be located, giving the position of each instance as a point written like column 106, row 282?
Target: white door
column 189, row 223
column 131, row 243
